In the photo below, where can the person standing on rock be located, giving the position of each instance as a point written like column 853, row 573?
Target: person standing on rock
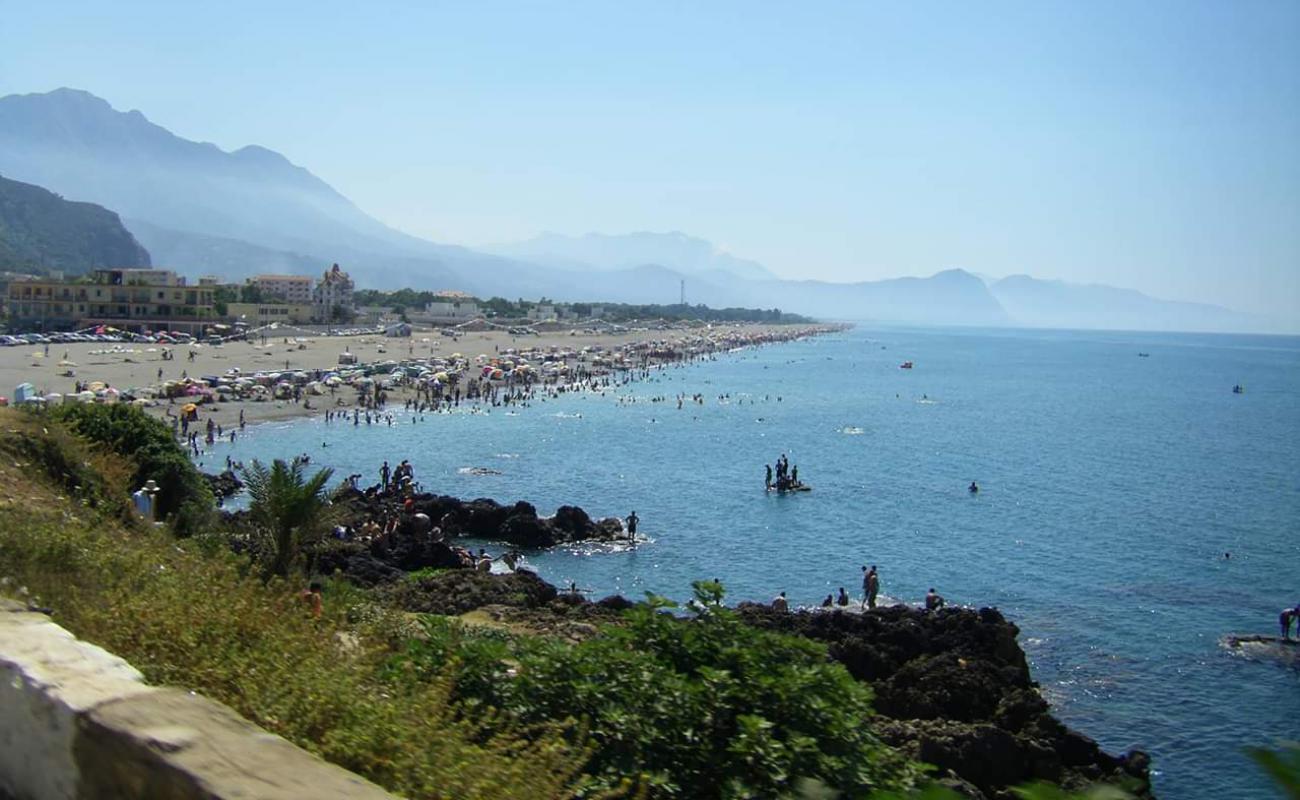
column 843, row 599
column 384, row 474
column 870, row 586
column 632, row 520
column 779, row 603
column 1284, row 620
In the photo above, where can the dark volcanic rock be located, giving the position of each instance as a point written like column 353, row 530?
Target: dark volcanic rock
column 528, row 530
column 483, row 518
column 573, row 522
column 956, row 692
column 227, row 484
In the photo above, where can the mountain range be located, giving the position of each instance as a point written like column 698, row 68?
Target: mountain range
column 199, row 209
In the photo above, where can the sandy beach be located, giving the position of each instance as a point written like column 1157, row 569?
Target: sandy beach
column 127, row 366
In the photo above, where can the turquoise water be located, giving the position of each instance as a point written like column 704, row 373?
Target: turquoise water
column 1112, row 485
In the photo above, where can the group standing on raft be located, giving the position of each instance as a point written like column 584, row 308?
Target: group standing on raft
column 787, row 477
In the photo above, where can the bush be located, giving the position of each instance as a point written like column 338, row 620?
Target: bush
column 184, row 495
column 706, row 707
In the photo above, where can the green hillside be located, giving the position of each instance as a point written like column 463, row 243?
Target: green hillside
column 40, row 231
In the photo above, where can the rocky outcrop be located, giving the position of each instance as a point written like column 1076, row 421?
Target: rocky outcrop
column 954, row 690
column 227, row 484
column 952, row 687
column 517, row 524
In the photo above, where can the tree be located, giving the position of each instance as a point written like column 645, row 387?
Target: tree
column 288, row 510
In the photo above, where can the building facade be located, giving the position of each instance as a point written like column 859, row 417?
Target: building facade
column 543, row 312
column 452, row 310
column 130, row 299
column 333, row 296
column 256, row 315
column 289, row 288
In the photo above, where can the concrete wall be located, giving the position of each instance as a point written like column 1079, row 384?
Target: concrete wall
column 79, row 722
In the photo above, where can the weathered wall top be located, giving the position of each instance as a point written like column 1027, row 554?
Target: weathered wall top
column 79, row 722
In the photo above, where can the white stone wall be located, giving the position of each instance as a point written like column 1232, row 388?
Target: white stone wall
column 48, row 678
column 78, row 723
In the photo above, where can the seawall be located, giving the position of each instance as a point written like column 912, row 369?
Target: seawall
column 78, row 722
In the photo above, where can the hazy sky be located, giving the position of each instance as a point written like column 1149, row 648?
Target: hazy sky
column 1146, row 144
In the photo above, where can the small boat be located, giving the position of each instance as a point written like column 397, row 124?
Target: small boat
column 905, row 365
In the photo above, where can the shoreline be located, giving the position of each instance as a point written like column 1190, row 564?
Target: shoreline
column 559, row 361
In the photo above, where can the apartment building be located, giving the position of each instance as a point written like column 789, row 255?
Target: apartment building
column 289, row 288
column 130, row 299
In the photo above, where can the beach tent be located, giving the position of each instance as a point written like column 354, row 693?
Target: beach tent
column 24, row 392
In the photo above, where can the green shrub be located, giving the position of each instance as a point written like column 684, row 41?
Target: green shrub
column 706, row 707
column 184, row 497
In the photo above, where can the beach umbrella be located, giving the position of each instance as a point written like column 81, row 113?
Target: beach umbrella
column 96, row 386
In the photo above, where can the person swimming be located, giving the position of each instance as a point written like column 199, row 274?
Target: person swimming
column 974, row 487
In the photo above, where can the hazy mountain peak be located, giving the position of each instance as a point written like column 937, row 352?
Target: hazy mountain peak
column 674, row 250
column 1055, row 303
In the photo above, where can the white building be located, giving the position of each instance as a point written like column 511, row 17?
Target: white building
column 333, row 291
column 451, row 310
column 290, row 288
column 543, row 312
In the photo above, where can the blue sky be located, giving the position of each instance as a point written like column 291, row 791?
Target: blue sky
column 1147, row 144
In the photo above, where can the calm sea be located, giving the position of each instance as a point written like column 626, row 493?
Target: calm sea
column 1112, row 486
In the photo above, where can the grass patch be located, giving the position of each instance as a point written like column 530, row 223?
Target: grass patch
column 203, row 621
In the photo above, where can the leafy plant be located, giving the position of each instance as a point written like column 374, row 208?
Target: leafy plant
column 704, row 707
column 184, row 496
column 289, row 511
